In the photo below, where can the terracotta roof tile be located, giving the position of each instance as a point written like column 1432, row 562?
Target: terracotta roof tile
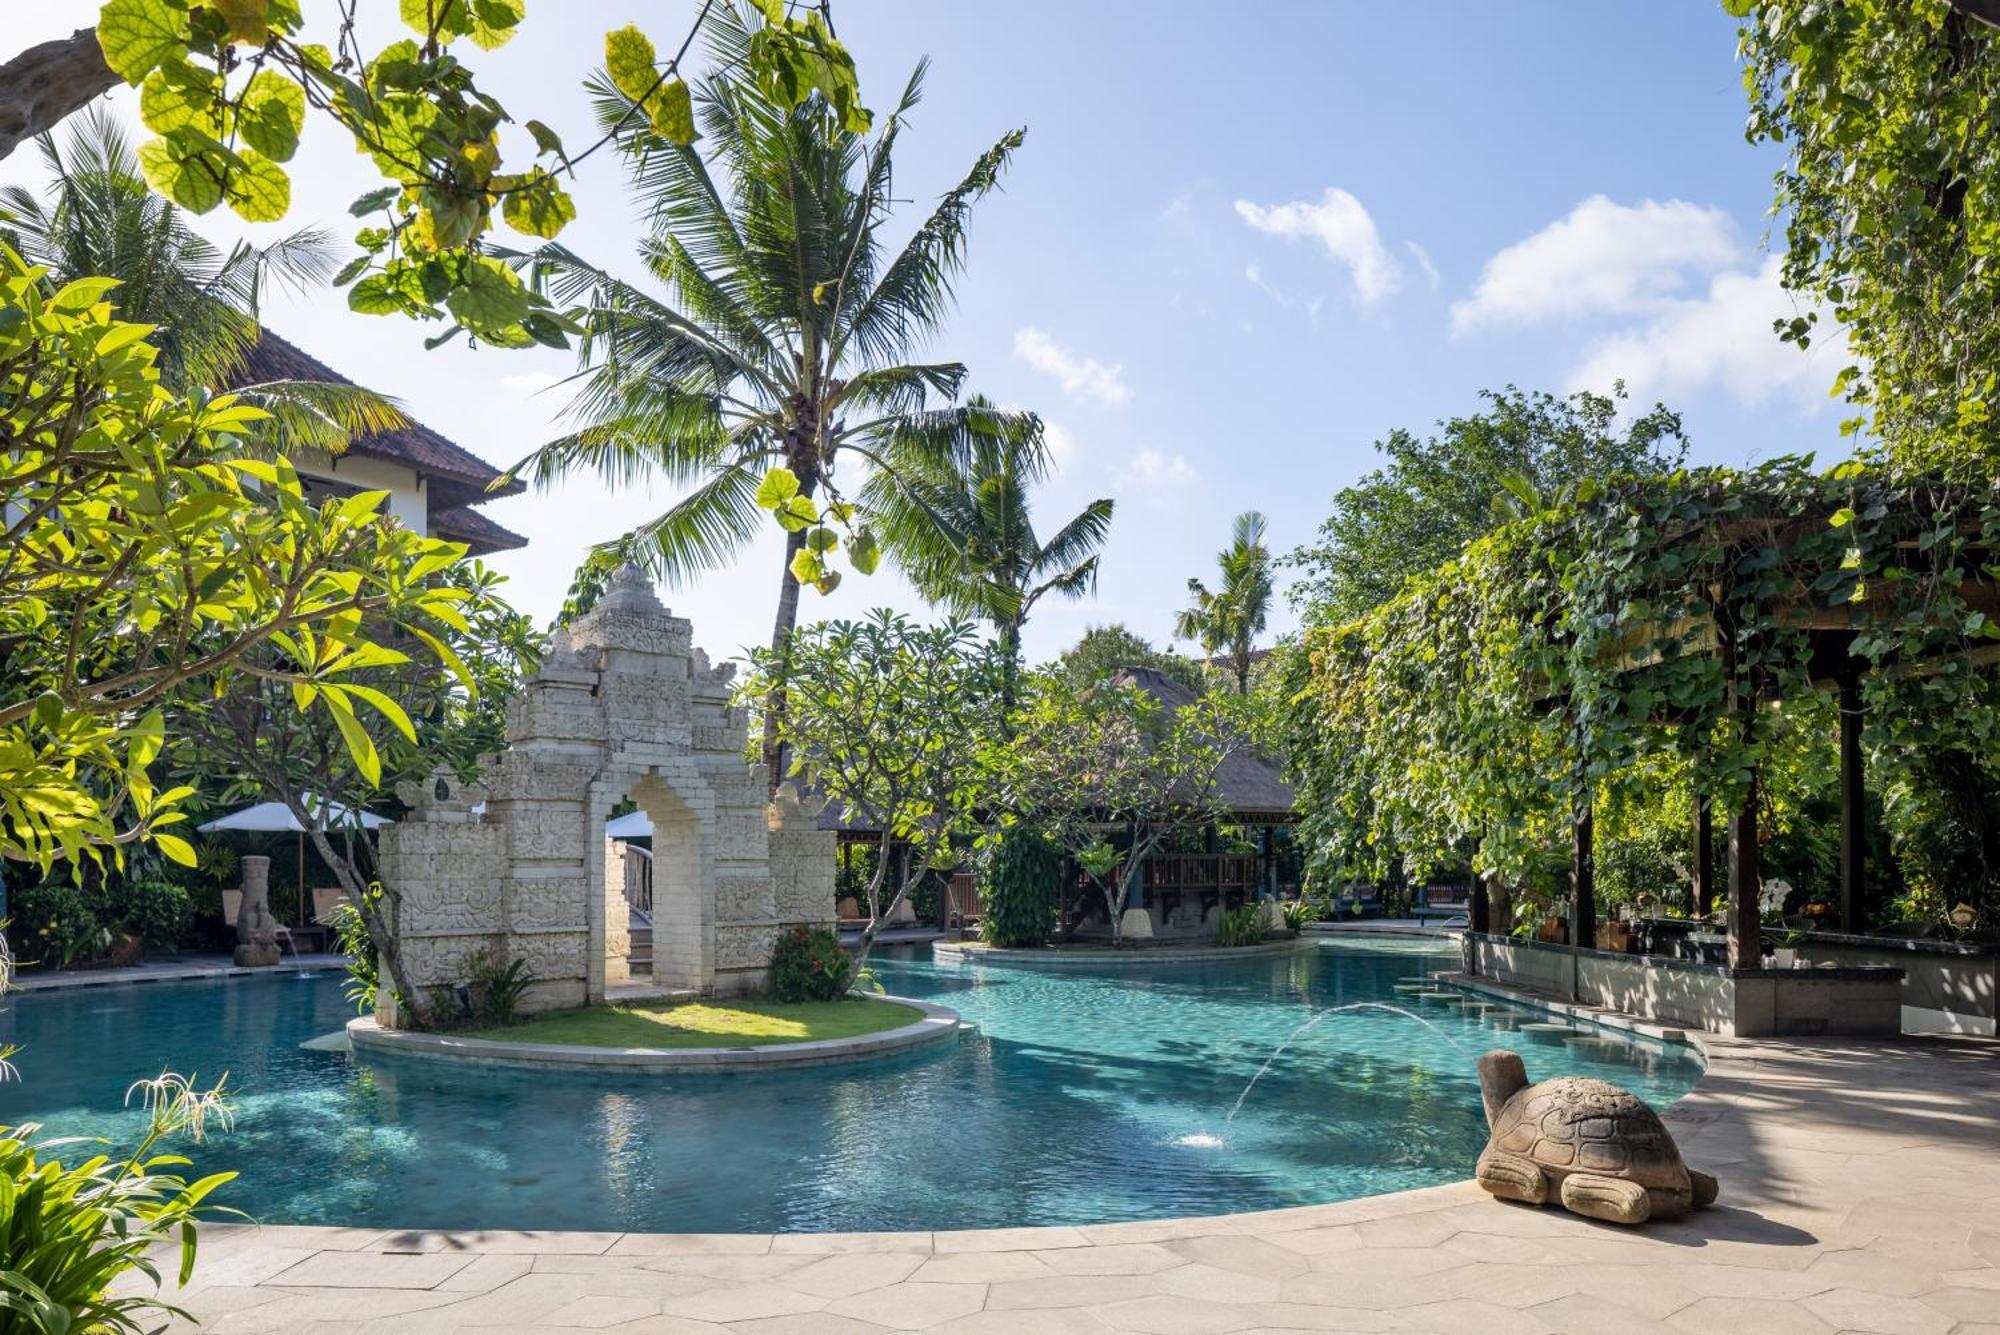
column 465, row 475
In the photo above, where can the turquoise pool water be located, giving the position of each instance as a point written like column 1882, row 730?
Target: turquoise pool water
column 1084, row 1097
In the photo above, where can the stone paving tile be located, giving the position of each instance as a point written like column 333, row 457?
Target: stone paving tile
column 744, row 1302
column 913, row 1306
column 846, row 1274
column 371, row 1270
column 994, row 1267
column 1870, row 1206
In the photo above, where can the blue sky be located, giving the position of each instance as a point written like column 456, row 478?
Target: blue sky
column 1241, row 244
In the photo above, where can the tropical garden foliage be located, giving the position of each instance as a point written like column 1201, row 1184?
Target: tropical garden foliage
column 1890, row 205
column 1108, row 773
column 1434, row 495
column 1638, row 637
column 892, row 723
column 228, row 90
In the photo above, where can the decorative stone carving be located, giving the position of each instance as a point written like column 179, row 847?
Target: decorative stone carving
column 621, row 706
column 1592, row 1147
column 256, row 928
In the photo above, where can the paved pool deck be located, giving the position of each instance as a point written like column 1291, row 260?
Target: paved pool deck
column 1860, row 1192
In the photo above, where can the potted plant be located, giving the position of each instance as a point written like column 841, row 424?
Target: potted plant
column 1785, row 949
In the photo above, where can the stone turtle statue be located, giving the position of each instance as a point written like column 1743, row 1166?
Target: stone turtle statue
column 1596, row 1149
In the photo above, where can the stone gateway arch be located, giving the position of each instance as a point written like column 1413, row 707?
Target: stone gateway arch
column 622, row 707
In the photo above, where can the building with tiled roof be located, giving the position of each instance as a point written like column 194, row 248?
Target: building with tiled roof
column 433, row 483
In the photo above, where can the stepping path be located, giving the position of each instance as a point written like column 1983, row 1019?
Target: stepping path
column 1860, row 1192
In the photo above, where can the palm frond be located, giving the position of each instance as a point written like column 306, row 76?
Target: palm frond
column 914, row 294
column 326, row 416
column 704, row 531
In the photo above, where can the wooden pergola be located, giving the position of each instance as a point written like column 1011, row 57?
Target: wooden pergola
column 1832, row 664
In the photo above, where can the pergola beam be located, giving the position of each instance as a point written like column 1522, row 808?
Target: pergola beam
column 1853, row 799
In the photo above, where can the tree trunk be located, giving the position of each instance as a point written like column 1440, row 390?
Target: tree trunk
column 1010, row 674
column 787, row 621
column 49, row 81
column 387, row 947
column 875, row 915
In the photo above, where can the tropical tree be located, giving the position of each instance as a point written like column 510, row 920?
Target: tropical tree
column 1433, row 496
column 101, row 220
column 966, row 534
column 1886, row 115
column 241, row 737
column 893, row 723
column 1104, row 651
column 140, row 551
column 774, row 355
column 1229, row 618
column 227, row 89
column 1109, row 774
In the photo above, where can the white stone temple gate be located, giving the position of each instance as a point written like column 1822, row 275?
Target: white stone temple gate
column 622, row 707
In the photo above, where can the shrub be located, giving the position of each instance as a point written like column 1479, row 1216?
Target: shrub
column 350, row 934
column 809, row 965
column 1019, row 895
column 1242, row 926
column 158, row 910
column 69, row 1233
column 59, row 925
column 1301, row 914
column 493, row 993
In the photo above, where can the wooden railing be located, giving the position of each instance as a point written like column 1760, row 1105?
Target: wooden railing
column 639, row 880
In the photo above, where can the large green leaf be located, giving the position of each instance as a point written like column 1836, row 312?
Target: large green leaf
column 259, row 189
column 272, row 113
column 489, row 296
column 178, row 94
column 136, row 35
column 186, row 168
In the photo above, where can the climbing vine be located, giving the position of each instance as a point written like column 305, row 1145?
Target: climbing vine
column 1637, row 629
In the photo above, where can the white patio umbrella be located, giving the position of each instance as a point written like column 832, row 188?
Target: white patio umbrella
column 631, row 825
column 275, row 817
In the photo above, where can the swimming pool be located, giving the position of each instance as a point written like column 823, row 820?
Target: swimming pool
column 1084, row 1097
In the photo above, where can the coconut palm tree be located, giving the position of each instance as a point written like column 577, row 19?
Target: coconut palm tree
column 780, row 333
column 101, row 219
column 966, row 535
column 1228, row 619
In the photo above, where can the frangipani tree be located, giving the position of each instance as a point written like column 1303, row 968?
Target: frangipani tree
column 139, row 552
column 771, row 376
column 1110, row 773
column 893, row 724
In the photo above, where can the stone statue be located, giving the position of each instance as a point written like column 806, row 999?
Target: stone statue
column 256, row 927
column 1596, row 1149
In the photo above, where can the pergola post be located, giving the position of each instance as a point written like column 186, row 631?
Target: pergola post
column 1704, row 858
column 1853, row 797
column 1746, row 884
column 1583, row 876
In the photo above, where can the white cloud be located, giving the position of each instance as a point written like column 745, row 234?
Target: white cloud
column 1155, row 471
column 1310, row 305
column 1602, row 258
column 1423, row 258
column 1080, row 377
column 1338, row 222
column 1722, row 338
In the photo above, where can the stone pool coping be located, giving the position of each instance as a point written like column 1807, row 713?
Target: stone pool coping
column 937, row 1025
column 972, row 951
column 1860, row 1191
column 172, row 971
